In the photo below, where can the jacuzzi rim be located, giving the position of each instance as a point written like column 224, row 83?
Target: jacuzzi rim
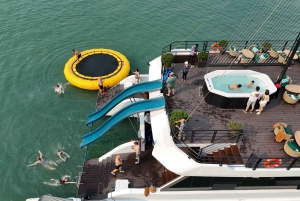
column 269, row 83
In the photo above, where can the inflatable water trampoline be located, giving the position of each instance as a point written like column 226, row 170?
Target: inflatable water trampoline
column 111, row 65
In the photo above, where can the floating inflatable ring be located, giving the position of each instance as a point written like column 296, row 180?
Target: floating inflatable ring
column 215, row 47
column 272, row 163
column 83, row 73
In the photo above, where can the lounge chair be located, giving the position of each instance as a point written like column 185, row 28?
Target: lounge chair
column 255, row 49
column 233, row 51
column 291, row 98
column 291, row 148
column 282, row 58
column 285, row 80
column 261, row 58
column 282, row 131
column 274, row 53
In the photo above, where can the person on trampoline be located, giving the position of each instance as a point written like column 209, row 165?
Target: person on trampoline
column 47, row 164
column 100, row 83
column 60, row 152
column 137, row 76
column 78, row 54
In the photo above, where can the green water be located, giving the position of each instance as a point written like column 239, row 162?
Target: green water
column 36, row 41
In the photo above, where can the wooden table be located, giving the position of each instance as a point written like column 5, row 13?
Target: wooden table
column 293, row 88
column 248, row 53
column 286, row 52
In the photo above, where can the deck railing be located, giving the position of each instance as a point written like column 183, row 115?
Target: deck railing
column 205, row 45
column 212, row 135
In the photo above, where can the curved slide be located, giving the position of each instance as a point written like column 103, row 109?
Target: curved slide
column 140, row 106
column 141, row 87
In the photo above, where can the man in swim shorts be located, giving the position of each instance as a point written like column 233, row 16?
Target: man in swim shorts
column 235, row 86
column 78, row 54
column 118, row 165
column 45, row 163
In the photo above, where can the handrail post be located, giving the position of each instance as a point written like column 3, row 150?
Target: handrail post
column 222, row 160
column 213, row 137
column 284, row 45
column 239, row 136
column 192, row 136
column 256, row 164
column 292, row 163
column 200, row 153
column 186, row 44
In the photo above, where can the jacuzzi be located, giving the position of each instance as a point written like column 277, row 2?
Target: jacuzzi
column 217, row 83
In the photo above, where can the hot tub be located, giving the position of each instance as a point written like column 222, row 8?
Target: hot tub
column 217, row 83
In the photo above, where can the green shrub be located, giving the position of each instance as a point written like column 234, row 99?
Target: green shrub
column 202, row 56
column 223, row 43
column 167, row 59
column 266, row 46
column 234, row 127
column 177, row 115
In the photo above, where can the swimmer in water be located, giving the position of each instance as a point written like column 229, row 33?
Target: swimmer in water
column 60, row 152
column 235, row 86
column 251, row 84
column 45, row 163
column 59, row 89
column 59, row 182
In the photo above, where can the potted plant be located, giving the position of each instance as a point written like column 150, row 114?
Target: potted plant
column 202, row 58
column 177, row 115
column 235, row 127
column 167, row 59
column 266, row 46
column 223, row 44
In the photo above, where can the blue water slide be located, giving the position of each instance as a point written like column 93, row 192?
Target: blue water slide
column 140, row 106
column 141, row 87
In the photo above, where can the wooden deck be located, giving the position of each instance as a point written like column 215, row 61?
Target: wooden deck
column 97, row 180
column 259, row 136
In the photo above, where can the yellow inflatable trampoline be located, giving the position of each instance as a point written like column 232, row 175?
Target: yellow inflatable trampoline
column 111, row 65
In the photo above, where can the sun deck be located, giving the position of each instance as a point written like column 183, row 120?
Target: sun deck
column 258, row 135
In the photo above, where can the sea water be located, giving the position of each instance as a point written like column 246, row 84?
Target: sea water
column 222, row 82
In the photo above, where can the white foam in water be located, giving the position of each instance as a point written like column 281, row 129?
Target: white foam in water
column 59, row 89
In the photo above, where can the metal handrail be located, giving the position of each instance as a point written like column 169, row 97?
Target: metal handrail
column 280, row 44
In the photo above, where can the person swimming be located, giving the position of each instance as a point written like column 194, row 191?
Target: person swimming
column 234, row 86
column 59, row 89
column 60, row 152
column 47, row 164
column 60, row 182
column 251, row 84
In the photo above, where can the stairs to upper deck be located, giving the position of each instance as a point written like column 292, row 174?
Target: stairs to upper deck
column 229, row 155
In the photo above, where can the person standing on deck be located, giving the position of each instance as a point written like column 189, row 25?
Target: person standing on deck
column 185, row 70
column 136, row 148
column 171, row 84
column 252, row 100
column 118, row 165
column 137, row 76
column 181, row 128
column 100, row 83
column 78, row 54
column 193, row 55
column 265, row 98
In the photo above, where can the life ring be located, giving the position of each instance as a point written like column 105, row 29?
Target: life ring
column 272, row 163
column 215, row 47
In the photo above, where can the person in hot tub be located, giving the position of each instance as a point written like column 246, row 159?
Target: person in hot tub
column 235, row 86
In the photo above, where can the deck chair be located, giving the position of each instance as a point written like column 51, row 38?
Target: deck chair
column 261, row 58
column 291, row 148
column 282, row 132
column 234, row 51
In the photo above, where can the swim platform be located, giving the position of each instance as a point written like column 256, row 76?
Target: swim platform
column 83, row 73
